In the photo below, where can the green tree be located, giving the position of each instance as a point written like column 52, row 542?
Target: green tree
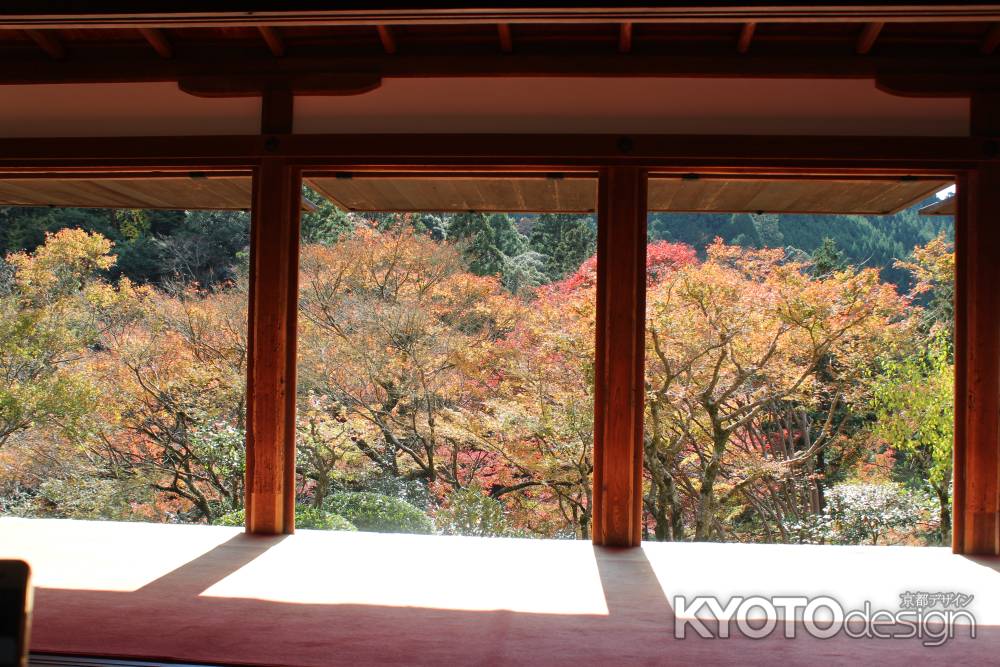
column 914, row 410
column 325, row 224
column 488, row 241
column 565, row 241
column 827, row 258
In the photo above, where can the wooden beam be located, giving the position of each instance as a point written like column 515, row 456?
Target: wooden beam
column 48, row 42
column 277, row 111
column 274, row 247
column 625, row 37
column 620, row 345
column 746, row 36
column 805, row 154
column 158, row 40
column 253, row 86
column 273, row 40
column 991, row 41
column 913, row 83
column 203, row 15
column 506, row 40
column 387, row 39
column 977, row 364
column 122, row 64
column 866, row 40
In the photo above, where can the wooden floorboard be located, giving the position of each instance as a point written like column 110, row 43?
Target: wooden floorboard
column 152, row 594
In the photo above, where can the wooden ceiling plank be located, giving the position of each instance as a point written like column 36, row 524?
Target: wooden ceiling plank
column 155, row 193
column 386, row 37
column 157, row 38
column 746, row 36
column 943, row 207
column 390, row 191
column 858, row 195
column 48, row 42
column 462, row 193
column 271, row 37
column 866, row 40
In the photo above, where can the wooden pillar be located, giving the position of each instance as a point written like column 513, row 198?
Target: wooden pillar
column 977, row 363
column 976, row 514
column 274, row 255
column 619, row 348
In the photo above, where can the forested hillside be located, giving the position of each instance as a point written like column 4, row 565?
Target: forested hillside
column 153, row 246
column 798, row 372
column 875, row 241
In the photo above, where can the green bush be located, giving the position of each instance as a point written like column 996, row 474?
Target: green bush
column 305, row 517
column 378, row 513
column 469, row 511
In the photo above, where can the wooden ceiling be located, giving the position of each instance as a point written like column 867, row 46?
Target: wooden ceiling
column 416, row 38
column 198, row 191
column 385, row 39
column 734, row 194
column 507, row 193
column 486, row 193
column 947, row 206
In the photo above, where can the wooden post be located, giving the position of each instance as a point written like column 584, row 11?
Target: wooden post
column 976, row 513
column 619, row 351
column 977, row 364
column 274, row 259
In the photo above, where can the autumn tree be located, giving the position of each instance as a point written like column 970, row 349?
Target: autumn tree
column 51, row 303
column 729, row 339
column 175, row 388
column 390, row 323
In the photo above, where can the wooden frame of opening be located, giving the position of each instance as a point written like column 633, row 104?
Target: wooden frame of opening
column 622, row 164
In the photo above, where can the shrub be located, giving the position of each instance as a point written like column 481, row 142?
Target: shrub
column 378, row 513
column 305, row 517
column 866, row 513
column 469, row 511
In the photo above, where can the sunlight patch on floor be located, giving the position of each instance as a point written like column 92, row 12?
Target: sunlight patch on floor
column 105, row 555
column 435, row 572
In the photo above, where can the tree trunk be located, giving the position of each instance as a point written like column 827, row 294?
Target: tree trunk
column 945, row 500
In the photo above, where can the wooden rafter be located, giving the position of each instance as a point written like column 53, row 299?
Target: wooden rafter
column 746, row 36
column 47, row 42
column 866, row 40
column 386, row 37
column 275, row 44
column 625, row 37
column 205, row 15
column 506, row 39
column 158, row 40
column 991, row 41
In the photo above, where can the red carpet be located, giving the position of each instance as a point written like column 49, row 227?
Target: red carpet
column 449, row 601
